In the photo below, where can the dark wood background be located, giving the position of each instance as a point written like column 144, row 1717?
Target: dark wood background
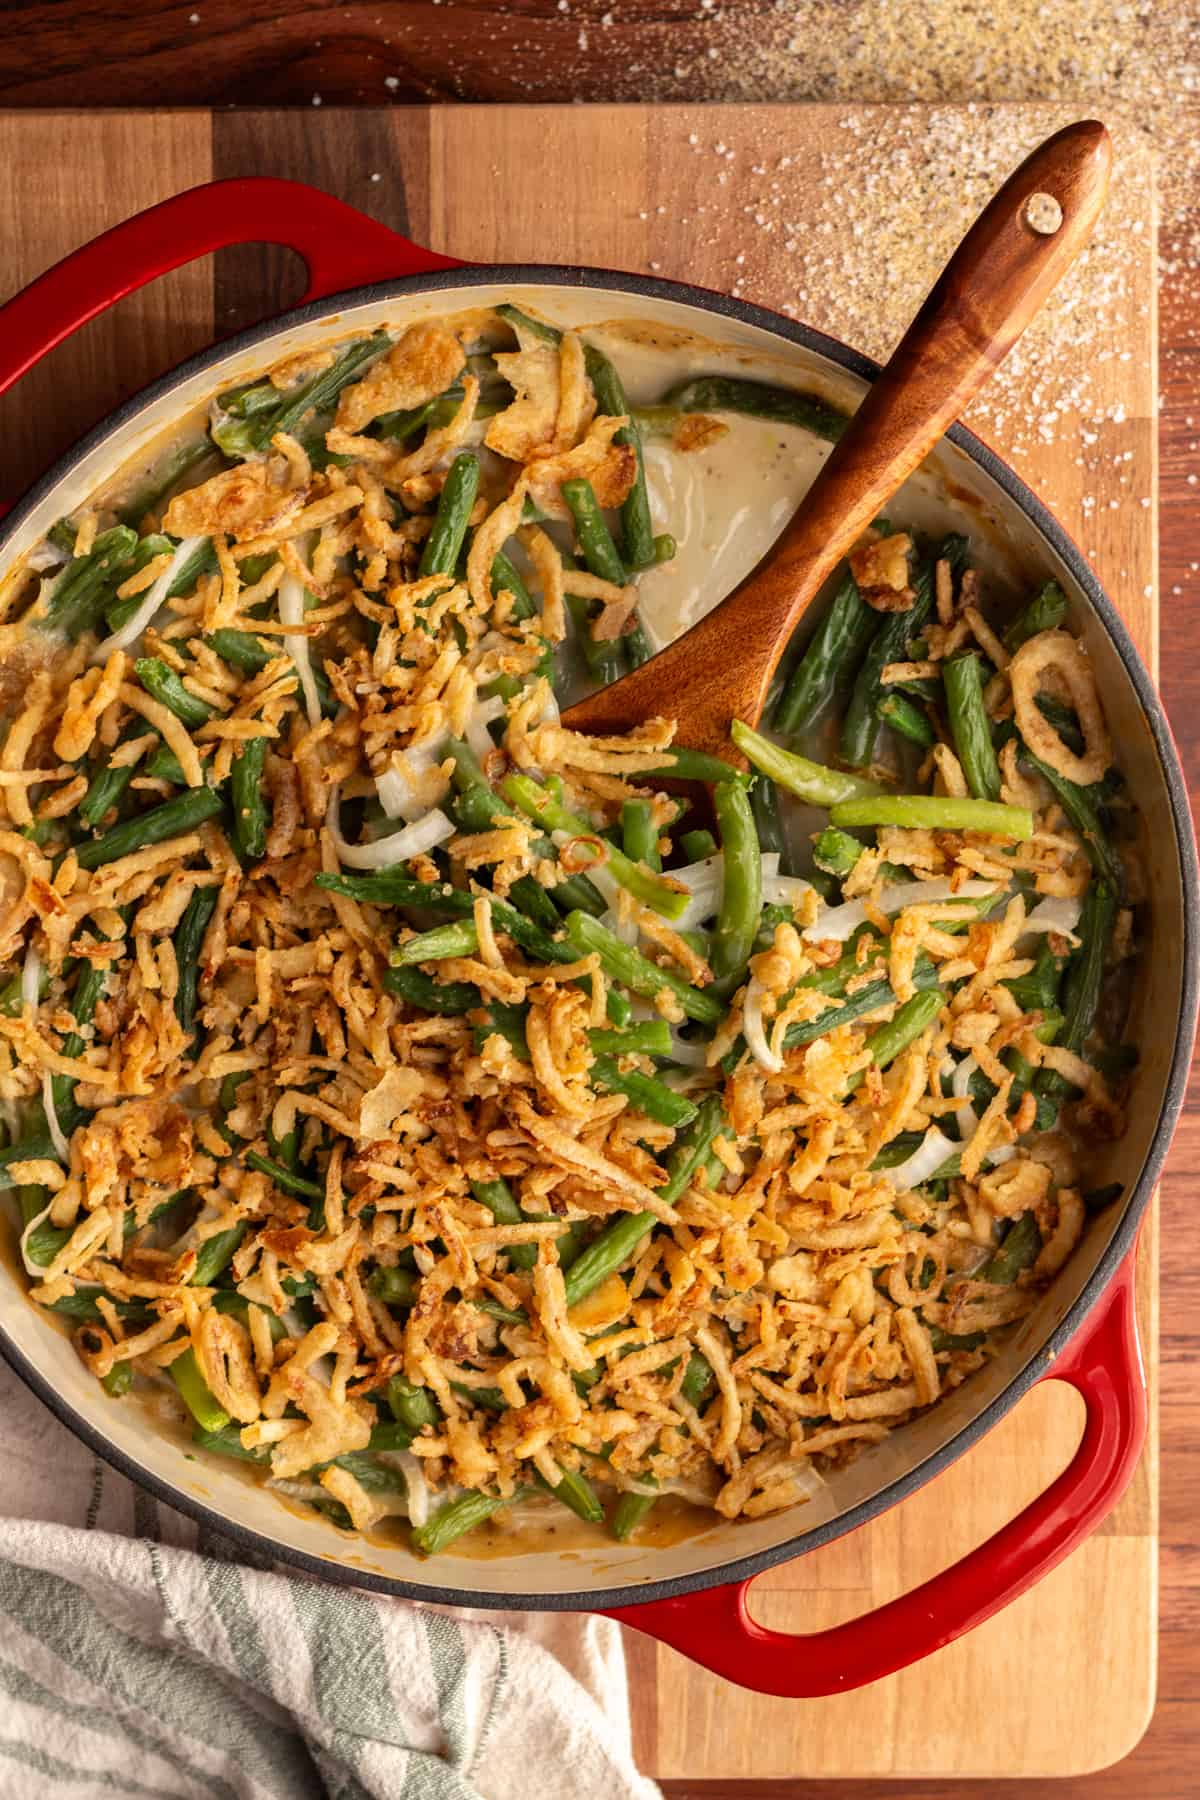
column 96, row 53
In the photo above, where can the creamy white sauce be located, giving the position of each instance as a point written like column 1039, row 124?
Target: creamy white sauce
column 725, row 505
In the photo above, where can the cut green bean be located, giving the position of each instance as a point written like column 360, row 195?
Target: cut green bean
column 698, row 846
column 639, row 834
column 650, row 889
column 249, row 828
column 497, row 1196
column 286, row 1179
column 395, row 1286
column 936, row 812
column 649, row 1037
column 189, row 940
column 595, row 540
column 80, row 594
column 836, row 851
column 810, row 781
column 215, row 1254
column 196, row 1394
column 1019, row 1251
column 445, row 540
column 962, row 679
column 422, row 991
column 1045, row 612
column 1083, row 982
column 247, row 437
column 758, row 400
column 741, row 884
column 411, row 1406
column 456, row 1517
column 637, row 530
column 888, row 645
column 628, row 966
column 829, row 661
column 693, row 765
column 898, row 711
column 172, row 819
column 576, row 1492
column 647, row 1094
column 164, row 685
column 1082, row 809
column 604, row 657
column 459, row 939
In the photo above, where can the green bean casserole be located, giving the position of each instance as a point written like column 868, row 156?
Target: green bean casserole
column 445, row 1108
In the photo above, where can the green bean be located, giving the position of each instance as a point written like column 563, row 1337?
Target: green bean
column 1019, row 1250
column 630, row 1512
column 189, row 940
column 411, row 1406
column 759, row 400
column 389, row 888
column 164, row 765
column 604, row 657
column 950, row 1340
column 836, row 851
column 741, row 884
column 633, row 970
column 639, row 834
column 576, row 1491
column 507, row 1022
column 459, row 939
column 245, row 437
column 888, row 645
column 11, row 999
column 1082, row 809
column 650, row 1037
column 497, row 1196
column 286, row 1179
column 79, row 595
column 665, row 548
column 202, row 561
column 910, row 1020
column 243, row 651
column 618, row 1241
column 107, row 788
column 936, row 812
column 1038, row 990
column 698, row 846
column 540, row 328
column 228, row 1442
column 164, row 685
column 636, row 527
column 963, row 681
column 149, row 498
column 196, row 1394
column 530, row 896
column 505, row 575
column 89, row 988
column 81, row 1306
column 405, row 422
column 698, row 1380
column 829, row 661
column 650, row 889
column 455, row 501
column 228, row 1300
column 694, row 765
column 764, row 801
column 481, row 806
column 249, row 830
column 30, row 1149
column 456, row 1517
column 394, row 1286
column 215, row 1254
column 595, row 540
column 646, row 1092
column 899, row 712
column 421, row 990
column 811, row 781
column 1045, row 612
column 172, row 819
column 119, row 1379
column 1084, row 979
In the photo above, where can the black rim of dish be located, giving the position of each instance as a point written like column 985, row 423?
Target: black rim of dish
column 1120, row 1244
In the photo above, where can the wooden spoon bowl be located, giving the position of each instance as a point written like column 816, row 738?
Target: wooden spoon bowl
column 1017, row 250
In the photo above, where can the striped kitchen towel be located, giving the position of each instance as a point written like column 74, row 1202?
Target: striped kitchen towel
column 140, row 1657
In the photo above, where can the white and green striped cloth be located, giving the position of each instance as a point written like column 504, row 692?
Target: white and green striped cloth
column 140, row 1657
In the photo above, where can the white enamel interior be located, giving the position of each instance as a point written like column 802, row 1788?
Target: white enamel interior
column 1012, row 550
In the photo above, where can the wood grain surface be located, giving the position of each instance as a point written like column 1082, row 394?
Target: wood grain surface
column 49, row 202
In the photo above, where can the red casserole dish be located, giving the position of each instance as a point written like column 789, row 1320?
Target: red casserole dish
column 691, row 1595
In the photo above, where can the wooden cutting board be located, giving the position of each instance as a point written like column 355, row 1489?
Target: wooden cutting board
column 840, row 217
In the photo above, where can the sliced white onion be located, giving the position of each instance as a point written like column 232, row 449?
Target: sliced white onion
column 960, row 1086
column 709, row 871
column 45, row 556
column 934, row 1149
column 31, row 975
column 61, row 1148
column 688, row 1055
column 36, row 1271
column 754, row 1030
column 405, row 789
column 419, row 1498
column 840, row 922
column 785, row 890
column 1060, row 912
column 152, row 599
column 483, row 714
column 415, row 840
column 291, row 612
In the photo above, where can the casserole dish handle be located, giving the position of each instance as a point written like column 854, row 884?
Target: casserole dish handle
column 341, row 248
column 714, row 1628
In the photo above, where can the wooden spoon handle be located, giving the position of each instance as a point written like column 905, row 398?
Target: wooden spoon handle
column 1020, row 246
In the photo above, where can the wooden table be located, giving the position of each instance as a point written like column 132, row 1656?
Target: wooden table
column 250, row 51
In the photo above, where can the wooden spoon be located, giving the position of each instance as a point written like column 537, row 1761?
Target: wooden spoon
column 1017, row 250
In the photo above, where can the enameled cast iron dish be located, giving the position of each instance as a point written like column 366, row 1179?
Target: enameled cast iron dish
column 692, row 1594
